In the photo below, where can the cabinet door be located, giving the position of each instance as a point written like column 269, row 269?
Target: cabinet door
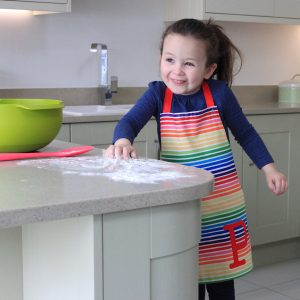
column 64, row 133
column 259, row 11
column 273, row 218
column 37, row 5
column 45, row 1
column 11, row 276
column 237, row 155
column 178, row 9
column 240, row 7
column 287, row 8
column 99, row 134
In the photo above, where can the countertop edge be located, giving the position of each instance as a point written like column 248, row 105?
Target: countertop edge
column 96, row 203
column 248, row 109
column 29, row 215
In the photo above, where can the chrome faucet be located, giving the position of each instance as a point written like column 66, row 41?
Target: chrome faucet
column 106, row 90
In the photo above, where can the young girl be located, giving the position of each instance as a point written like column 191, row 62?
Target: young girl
column 193, row 113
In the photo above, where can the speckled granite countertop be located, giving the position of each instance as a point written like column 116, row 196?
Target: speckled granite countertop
column 273, row 107
column 48, row 189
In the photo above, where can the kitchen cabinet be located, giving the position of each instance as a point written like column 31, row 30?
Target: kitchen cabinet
column 38, row 5
column 272, row 218
column 153, row 243
column 64, row 133
column 287, row 9
column 69, row 234
column 240, row 7
column 260, row 11
column 99, row 134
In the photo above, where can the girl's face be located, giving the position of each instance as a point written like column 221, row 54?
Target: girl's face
column 183, row 64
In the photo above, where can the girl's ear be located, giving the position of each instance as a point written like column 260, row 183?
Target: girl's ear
column 210, row 70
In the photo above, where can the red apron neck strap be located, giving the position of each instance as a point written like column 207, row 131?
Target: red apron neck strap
column 207, row 94
column 167, row 101
column 169, row 95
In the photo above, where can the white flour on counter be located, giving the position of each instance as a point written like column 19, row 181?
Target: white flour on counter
column 131, row 170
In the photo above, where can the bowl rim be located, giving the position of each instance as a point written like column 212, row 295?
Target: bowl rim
column 31, row 103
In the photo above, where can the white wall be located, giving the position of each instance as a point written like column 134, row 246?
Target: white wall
column 53, row 50
column 271, row 52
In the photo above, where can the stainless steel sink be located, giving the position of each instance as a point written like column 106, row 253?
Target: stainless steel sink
column 96, row 110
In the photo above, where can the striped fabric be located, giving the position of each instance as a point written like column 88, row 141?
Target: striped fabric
column 198, row 139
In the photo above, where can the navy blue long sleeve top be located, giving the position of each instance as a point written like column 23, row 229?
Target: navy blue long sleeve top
column 150, row 105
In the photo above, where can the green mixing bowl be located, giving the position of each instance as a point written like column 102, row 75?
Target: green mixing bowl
column 28, row 124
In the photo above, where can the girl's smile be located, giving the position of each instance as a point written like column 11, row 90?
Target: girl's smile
column 183, row 64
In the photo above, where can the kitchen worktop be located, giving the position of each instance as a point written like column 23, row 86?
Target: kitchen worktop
column 272, row 107
column 249, row 108
column 47, row 189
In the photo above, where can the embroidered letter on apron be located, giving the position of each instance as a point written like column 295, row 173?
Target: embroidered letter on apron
column 199, row 139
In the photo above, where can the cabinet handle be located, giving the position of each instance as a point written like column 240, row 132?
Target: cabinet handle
column 156, row 141
column 251, row 164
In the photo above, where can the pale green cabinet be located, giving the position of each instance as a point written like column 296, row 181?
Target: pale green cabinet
column 240, row 7
column 155, row 245
column 272, row 218
column 99, row 134
column 64, row 133
column 37, row 5
column 287, row 9
column 138, row 254
column 260, row 11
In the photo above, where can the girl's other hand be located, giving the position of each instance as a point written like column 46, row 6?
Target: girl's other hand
column 276, row 181
column 121, row 149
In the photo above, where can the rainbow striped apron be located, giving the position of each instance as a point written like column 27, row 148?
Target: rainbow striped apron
column 199, row 139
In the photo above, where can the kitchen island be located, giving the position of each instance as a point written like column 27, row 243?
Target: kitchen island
column 92, row 228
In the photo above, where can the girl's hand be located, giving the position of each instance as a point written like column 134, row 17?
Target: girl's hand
column 276, row 181
column 121, row 149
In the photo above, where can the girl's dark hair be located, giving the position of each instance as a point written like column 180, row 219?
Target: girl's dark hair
column 220, row 49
